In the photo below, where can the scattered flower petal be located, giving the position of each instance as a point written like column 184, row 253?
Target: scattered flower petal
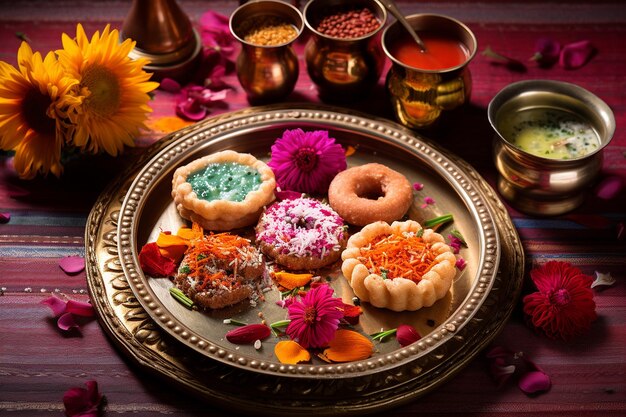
column 350, row 150
column 351, row 313
column 248, row 334
column 153, row 263
column 57, row 305
column 81, row 402
column 575, row 55
column 80, row 308
column 190, row 109
column 418, row 186
column 460, row 264
column 609, row 187
column 290, row 352
column 66, row 322
column 563, row 307
column 603, row 279
column 290, row 281
column 406, row 335
column 348, row 346
column 5, row 217
column 546, row 52
column 428, row 201
column 170, row 85
column 534, row 382
column 169, row 124
column 72, row 264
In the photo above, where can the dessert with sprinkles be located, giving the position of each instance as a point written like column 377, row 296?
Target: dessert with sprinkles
column 301, row 234
column 219, row 270
column 223, row 191
column 400, row 267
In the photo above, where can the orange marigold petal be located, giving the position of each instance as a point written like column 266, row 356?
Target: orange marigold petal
column 189, row 234
column 291, row 281
column 165, row 240
column 350, row 150
column 347, row 346
column 291, row 352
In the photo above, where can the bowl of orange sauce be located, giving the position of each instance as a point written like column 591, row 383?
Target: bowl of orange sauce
column 425, row 85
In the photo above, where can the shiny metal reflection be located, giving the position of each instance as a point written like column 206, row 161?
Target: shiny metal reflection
column 542, row 186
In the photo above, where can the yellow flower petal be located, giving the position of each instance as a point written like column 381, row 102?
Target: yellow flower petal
column 290, row 352
column 348, row 346
column 291, row 281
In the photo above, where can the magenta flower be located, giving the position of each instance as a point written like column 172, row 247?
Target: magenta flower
column 315, row 317
column 575, row 55
column 81, row 402
column 546, row 53
column 563, row 307
column 306, row 161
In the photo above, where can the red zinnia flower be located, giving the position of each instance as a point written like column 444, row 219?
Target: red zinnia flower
column 315, row 317
column 563, row 307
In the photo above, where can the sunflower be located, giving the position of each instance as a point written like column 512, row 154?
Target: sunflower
column 115, row 87
column 35, row 100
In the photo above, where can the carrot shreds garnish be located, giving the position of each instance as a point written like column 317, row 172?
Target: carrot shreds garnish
column 398, row 256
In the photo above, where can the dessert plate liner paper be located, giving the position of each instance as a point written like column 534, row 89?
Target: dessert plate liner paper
column 146, row 324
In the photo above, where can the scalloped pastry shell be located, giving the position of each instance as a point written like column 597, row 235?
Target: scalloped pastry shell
column 398, row 294
column 222, row 214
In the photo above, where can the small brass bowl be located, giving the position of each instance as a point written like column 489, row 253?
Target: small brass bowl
column 540, row 185
column 420, row 97
column 268, row 73
column 344, row 69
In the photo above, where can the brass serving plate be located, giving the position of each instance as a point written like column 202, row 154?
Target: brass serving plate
column 189, row 347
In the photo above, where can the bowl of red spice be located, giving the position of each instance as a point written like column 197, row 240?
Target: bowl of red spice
column 425, row 85
column 344, row 57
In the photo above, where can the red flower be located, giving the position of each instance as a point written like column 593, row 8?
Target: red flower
column 563, row 307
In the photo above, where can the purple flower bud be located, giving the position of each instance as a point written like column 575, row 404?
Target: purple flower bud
column 575, row 55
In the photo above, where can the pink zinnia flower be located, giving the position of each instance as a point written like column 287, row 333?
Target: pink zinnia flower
column 315, row 317
column 306, row 161
column 563, row 307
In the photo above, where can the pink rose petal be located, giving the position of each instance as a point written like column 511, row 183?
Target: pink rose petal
column 190, row 109
column 534, row 382
column 72, row 264
column 57, row 305
column 418, row 186
column 80, row 308
column 609, row 187
column 461, row 264
column 5, row 217
column 575, row 55
column 67, row 322
column 170, row 85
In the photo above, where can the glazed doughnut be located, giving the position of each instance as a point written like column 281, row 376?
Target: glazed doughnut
column 399, row 266
column 301, row 234
column 369, row 193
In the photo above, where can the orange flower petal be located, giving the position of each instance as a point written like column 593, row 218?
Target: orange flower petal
column 189, row 234
column 169, row 124
column 291, row 281
column 350, row 150
column 348, row 346
column 290, row 352
column 172, row 246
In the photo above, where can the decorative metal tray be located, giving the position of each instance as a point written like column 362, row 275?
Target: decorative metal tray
column 189, row 348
